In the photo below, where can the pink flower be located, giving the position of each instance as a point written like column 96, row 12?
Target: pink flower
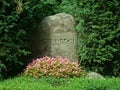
column 58, row 67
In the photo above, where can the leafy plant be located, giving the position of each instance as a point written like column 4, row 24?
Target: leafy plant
column 12, row 39
column 57, row 67
column 100, row 36
column 18, row 20
column 98, row 33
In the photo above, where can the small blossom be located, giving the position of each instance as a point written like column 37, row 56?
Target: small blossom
column 58, row 67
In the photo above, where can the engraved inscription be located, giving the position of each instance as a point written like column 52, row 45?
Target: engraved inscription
column 65, row 41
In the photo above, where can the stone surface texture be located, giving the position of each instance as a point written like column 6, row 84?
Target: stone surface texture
column 94, row 75
column 56, row 36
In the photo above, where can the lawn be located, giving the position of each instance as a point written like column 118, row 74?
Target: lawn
column 51, row 83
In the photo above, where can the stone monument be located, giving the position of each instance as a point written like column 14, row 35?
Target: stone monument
column 56, row 36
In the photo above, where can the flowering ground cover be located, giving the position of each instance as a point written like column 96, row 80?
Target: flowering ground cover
column 56, row 67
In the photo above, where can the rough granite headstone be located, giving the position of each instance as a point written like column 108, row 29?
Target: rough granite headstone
column 56, row 36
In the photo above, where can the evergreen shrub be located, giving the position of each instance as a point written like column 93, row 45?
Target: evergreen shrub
column 99, row 36
column 98, row 27
column 18, row 20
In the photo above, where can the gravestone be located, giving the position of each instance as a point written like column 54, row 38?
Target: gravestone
column 56, row 36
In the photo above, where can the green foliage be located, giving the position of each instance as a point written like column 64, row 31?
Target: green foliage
column 29, row 83
column 57, row 67
column 98, row 27
column 18, row 19
column 100, row 36
column 12, row 37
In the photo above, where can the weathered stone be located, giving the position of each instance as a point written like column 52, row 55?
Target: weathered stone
column 95, row 75
column 56, row 36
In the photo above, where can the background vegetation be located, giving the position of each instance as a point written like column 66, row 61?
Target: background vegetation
column 101, row 33
column 18, row 19
column 98, row 26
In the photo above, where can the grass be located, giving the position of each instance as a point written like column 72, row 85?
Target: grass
column 51, row 83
